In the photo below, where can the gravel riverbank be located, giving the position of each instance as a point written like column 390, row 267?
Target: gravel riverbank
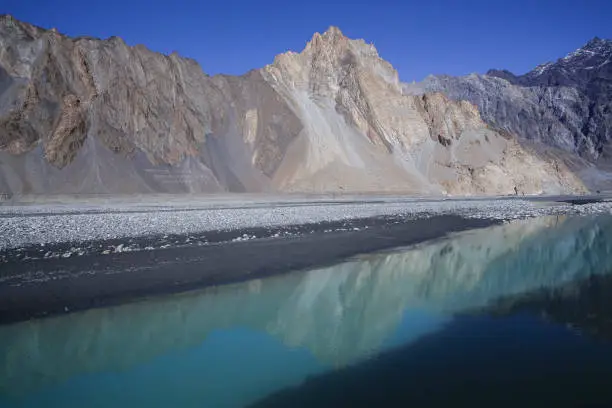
column 22, row 225
column 62, row 258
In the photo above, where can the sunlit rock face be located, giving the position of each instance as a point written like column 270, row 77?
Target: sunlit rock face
column 82, row 115
column 565, row 105
column 339, row 314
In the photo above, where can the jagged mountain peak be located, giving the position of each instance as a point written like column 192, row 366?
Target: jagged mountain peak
column 333, row 32
column 597, row 43
column 10, row 26
column 502, row 73
column 327, row 59
column 579, row 66
column 590, row 57
column 97, row 115
column 334, row 42
column 594, row 48
column 332, row 39
column 7, row 18
column 563, row 103
column 596, row 53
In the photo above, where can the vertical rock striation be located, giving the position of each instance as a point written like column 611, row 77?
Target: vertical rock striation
column 565, row 105
column 82, row 115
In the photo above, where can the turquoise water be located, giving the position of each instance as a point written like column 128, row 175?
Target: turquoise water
column 244, row 344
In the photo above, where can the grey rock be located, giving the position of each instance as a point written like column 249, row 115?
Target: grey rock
column 83, row 115
column 565, row 104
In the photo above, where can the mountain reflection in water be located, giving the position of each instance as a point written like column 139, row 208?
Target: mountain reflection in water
column 232, row 345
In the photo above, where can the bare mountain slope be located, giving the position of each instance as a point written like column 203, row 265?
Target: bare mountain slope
column 566, row 104
column 85, row 115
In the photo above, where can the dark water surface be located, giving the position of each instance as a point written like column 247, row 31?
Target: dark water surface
column 512, row 315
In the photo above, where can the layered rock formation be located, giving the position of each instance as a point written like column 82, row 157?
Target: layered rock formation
column 85, row 115
column 565, row 104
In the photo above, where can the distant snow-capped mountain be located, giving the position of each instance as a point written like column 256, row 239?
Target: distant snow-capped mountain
column 565, row 104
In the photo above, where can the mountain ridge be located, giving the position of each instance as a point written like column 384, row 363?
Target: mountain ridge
column 98, row 116
column 565, row 104
column 594, row 54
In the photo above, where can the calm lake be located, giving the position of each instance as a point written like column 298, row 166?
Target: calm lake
column 513, row 315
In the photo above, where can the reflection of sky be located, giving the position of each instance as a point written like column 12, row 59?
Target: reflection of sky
column 414, row 324
column 195, row 350
column 229, row 369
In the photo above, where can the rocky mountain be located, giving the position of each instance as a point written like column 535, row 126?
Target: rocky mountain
column 565, row 104
column 82, row 115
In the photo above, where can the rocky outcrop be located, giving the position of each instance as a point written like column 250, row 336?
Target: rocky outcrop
column 82, row 115
column 565, row 104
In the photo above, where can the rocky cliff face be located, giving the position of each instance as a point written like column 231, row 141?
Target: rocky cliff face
column 565, row 104
column 82, row 115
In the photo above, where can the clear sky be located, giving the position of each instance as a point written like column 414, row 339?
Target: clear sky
column 454, row 37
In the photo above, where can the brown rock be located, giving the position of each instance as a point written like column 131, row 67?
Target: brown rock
column 87, row 116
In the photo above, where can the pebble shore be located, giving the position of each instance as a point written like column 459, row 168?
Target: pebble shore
column 39, row 225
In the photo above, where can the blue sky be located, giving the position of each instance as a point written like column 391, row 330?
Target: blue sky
column 418, row 37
